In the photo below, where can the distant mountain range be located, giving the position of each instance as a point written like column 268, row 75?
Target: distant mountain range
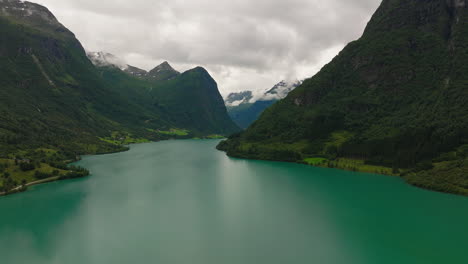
column 190, row 100
column 162, row 72
column 244, row 108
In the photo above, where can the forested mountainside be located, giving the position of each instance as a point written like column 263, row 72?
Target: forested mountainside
column 190, row 100
column 396, row 98
column 55, row 104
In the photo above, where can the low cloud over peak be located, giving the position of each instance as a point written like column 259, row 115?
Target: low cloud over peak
column 244, row 44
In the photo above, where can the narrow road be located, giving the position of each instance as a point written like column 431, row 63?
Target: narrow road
column 51, row 179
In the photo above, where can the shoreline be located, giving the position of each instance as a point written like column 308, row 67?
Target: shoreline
column 407, row 181
column 24, row 188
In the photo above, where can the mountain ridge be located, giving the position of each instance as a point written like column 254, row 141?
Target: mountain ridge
column 170, row 101
column 162, row 72
column 394, row 99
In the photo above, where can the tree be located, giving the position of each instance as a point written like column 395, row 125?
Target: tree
column 27, row 166
column 41, row 175
column 8, row 184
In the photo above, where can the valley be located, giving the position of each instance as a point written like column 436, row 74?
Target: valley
column 53, row 96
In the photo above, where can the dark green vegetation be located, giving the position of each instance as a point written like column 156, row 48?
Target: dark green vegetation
column 188, row 101
column 192, row 101
column 397, row 97
column 53, row 97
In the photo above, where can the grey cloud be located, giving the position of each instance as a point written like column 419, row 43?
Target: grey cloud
column 275, row 39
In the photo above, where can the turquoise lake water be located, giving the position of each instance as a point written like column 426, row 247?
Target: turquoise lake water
column 178, row 202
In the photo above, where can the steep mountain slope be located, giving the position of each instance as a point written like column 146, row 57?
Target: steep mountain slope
column 193, row 101
column 52, row 96
column 189, row 101
column 397, row 97
column 50, row 93
column 56, row 105
column 244, row 109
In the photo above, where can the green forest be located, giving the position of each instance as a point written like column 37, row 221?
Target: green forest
column 395, row 98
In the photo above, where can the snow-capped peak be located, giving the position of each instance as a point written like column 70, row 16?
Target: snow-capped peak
column 102, row 59
column 280, row 90
column 236, row 99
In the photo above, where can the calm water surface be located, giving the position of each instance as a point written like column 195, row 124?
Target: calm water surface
column 179, row 202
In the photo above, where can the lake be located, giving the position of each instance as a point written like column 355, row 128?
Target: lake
column 178, row 202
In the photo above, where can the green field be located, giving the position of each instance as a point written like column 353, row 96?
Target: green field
column 174, row 132
column 215, row 137
column 18, row 176
column 349, row 164
column 123, row 138
column 316, row 161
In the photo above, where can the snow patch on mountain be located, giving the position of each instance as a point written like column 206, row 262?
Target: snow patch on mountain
column 236, row 99
column 102, row 59
column 279, row 91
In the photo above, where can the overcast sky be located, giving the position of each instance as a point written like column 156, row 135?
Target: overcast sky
column 244, row 44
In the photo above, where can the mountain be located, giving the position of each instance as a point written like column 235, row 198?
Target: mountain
column 236, row 99
column 189, row 101
column 193, row 101
column 163, row 72
column 51, row 96
column 55, row 104
column 396, row 98
column 244, row 108
column 102, row 59
column 280, row 90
